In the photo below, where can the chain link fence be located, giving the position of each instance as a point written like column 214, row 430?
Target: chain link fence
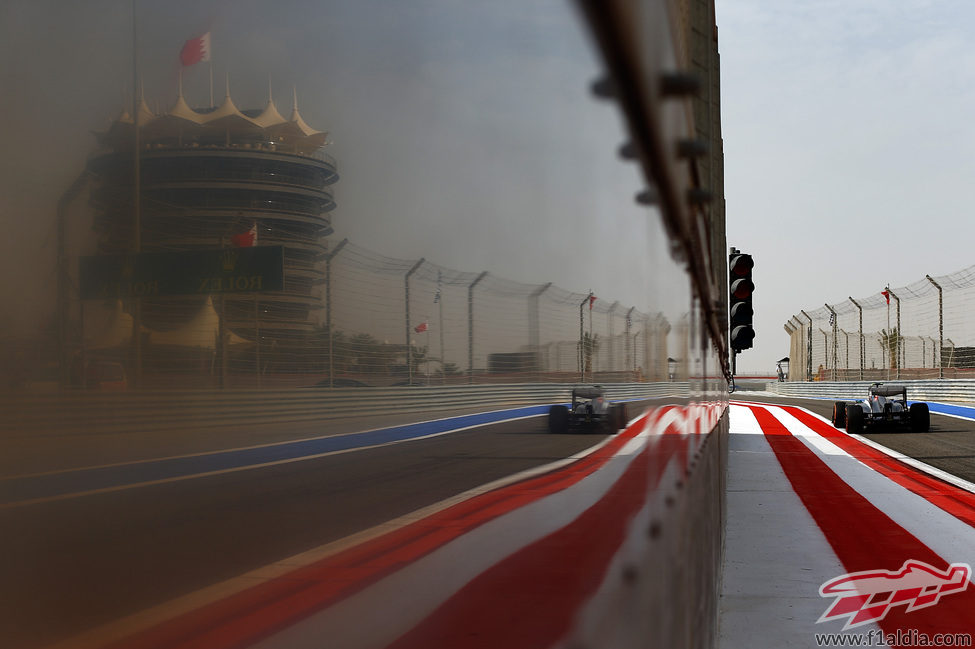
column 375, row 321
column 920, row 331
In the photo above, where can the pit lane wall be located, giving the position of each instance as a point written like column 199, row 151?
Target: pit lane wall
column 656, row 583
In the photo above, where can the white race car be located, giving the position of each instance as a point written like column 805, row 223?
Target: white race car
column 886, row 406
column 589, row 410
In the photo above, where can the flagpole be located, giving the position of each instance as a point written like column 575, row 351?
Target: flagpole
column 211, row 83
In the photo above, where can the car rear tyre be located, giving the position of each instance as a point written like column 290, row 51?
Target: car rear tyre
column 839, row 414
column 920, row 418
column 621, row 417
column 854, row 419
column 558, row 419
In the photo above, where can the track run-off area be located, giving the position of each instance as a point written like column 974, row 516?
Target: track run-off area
column 280, row 544
column 810, row 507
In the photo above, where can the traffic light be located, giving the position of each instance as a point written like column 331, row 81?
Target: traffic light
column 740, row 300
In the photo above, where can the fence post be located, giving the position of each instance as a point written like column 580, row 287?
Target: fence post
column 582, row 328
column 534, row 325
column 825, row 349
column 941, row 326
column 628, row 365
column 846, row 363
column 832, row 314
column 439, row 300
column 328, row 309
column 859, row 334
column 899, row 355
column 409, row 345
column 809, row 346
column 470, row 326
column 611, row 352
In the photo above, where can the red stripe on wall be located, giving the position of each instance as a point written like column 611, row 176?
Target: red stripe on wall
column 530, row 600
column 250, row 615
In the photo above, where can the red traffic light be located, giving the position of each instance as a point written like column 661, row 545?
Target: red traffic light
column 740, row 265
column 742, row 289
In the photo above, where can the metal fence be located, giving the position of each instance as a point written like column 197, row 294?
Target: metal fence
column 922, row 330
column 962, row 390
column 137, row 411
column 375, row 321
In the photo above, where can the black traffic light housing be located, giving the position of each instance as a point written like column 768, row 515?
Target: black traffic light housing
column 740, row 311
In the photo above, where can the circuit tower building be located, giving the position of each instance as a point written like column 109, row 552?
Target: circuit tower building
column 213, row 178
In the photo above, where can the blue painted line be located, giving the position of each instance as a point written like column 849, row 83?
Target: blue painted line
column 964, row 412
column 82, row 480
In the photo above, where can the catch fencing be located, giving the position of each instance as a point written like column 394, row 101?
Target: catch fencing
column 371, row 321
column 139, row 411
column 962, row 390
column 920, row 331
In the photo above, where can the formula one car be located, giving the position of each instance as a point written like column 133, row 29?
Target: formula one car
column 886, row 406
column 590, row 410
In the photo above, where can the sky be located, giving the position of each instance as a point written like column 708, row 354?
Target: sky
column 849, row 150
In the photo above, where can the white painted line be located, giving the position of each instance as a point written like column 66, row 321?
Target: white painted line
column 941, row 474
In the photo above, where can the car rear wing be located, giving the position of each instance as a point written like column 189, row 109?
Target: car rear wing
column 586, row 393
column 889, row 390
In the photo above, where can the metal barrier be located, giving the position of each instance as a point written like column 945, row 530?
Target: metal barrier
column 928, row 389
column 27, row 414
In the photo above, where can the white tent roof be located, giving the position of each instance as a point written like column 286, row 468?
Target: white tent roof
column 181, row 118
column 200, row 331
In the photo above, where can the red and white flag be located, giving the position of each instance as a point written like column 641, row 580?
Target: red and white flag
column 886, row 294
column 592, row 300
column 195, row 50
column 420, row 328
column 246, row 239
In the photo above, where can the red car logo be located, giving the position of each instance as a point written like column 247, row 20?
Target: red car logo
column 867, row 596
